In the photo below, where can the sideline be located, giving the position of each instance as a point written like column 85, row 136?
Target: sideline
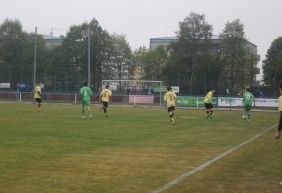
column 208, row 163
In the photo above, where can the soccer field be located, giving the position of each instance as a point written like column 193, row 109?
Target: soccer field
column 136, row 150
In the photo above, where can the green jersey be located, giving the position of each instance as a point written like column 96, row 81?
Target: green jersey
column 248, row 98
column 86, row 93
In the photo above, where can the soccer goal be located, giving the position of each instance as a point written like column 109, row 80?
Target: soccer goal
column 135, row 92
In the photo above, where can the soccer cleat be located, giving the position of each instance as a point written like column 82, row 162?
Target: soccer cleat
column 83, row 117
column 207, row 116
column 90, row 117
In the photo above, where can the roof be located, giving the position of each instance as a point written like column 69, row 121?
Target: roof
column 213, row 37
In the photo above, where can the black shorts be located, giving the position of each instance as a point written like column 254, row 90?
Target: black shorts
column 105, row 104
column 280, row 122
column 38, row 100
column 208, row 105
column 169, row 109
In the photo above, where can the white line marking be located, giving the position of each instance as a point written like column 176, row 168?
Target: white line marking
column 208, row 163
column 184, row 117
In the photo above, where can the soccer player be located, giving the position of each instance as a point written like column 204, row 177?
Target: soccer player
column 170, row 98
column 278, row 133
column 38, row 96
column 105, row 98
column 208, row 103
column 86, row 93
column 248, row 99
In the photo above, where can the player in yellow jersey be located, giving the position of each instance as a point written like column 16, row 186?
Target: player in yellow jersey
column 208, row 103
column 105, row 98
column 38, row 96
column 170, row 98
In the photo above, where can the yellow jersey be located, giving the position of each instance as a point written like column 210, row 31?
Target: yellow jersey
column 105, row 95
column 170, row 98
column 280, row 103
column 208, row 98
column 36, row 91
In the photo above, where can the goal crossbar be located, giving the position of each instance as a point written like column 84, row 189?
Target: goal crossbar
column 150, row 81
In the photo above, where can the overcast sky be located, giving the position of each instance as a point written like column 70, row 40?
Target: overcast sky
column 141, row 20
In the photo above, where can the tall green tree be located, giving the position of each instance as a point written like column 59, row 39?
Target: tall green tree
column 17, row 52
column 136, row 71
column 151, row 64
column 272, row 65
column 236, row 62
column 193, row 35
column 13, row 41
column 120, row 58
column 72, row 55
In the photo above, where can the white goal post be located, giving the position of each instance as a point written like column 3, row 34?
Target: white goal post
column 136, row 92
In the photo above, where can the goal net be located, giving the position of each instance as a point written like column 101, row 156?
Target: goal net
column 135, row 92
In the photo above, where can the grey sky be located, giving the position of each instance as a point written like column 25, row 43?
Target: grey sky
column 141, row 20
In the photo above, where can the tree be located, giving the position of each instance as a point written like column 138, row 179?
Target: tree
column 110, row 55
column 151, row 63
column 120, row 58
column 194, row 27
column 237, row 62
column 17, row 52
column 136, row 71
column 66, row 65
column 193, row 35
column 272, row 65
column 72, row 55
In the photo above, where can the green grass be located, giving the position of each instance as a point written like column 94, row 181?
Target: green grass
column 136, row 150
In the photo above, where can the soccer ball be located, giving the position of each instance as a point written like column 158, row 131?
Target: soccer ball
column 244, row 117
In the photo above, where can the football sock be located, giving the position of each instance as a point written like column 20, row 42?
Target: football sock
column 211, row 111
column 249, row 115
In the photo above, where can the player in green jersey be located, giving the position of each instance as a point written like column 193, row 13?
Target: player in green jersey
column 86, row 94
column 248, row 99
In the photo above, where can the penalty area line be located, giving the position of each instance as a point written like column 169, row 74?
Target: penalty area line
column 208, row 163
column 185, row 117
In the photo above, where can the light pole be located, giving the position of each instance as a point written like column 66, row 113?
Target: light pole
column 34, row 62
column 88, row 35
column 77, row 69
